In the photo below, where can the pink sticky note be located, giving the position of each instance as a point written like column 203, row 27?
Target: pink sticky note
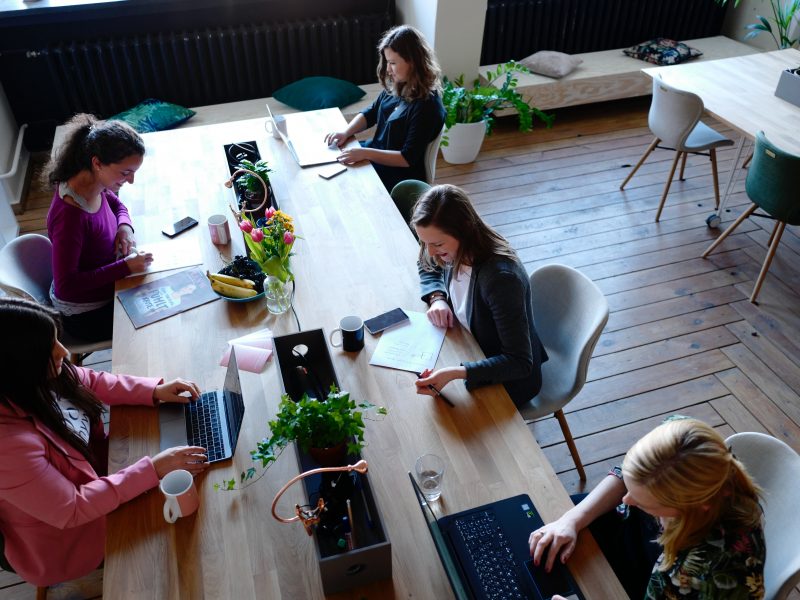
column 252, row 351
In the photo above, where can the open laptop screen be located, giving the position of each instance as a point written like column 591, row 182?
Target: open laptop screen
column 448, row 561
column 234, row 403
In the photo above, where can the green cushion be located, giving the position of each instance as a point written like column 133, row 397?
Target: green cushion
column 154, row 115
column 313, row 93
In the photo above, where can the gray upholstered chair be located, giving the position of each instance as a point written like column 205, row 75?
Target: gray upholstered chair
column 431, row 152
column 405, row 195
column 569, row 311
column 674, row 119
column 26, row 271
column 776, row 468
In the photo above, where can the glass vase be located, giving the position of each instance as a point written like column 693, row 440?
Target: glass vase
column 278, row 295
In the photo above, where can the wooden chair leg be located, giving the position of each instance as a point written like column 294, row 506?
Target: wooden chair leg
column 713, row 154
column 647, row 152
column 729, row 230
column 683, row 166
column 747, row 161
column 573, row 450
column 669, row 183
column 776, row 239
column 41, row 593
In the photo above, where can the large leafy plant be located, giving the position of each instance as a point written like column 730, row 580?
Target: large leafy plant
column 310, row 423
column 784, row 13
column 481, row 101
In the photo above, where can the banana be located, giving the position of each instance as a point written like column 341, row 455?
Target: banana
column 230, row 280
column 231, row 291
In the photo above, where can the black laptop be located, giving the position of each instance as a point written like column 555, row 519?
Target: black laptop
column 213, row 421
column 485, row 552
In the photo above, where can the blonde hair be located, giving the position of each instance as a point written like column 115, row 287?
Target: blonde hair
column 410, row 44
column 685, row 465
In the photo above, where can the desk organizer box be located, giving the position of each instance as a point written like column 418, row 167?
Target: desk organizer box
column 372, row 560
column 789, row 87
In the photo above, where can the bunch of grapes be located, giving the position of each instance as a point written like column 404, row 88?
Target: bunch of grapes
column 244, row 268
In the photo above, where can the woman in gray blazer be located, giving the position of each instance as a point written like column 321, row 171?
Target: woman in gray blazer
column 470, row 274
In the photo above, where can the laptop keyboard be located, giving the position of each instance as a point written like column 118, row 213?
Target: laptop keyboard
column 203, row 427
column 491, row 555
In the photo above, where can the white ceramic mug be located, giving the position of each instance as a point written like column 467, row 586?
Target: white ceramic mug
column 181, row 495
column 219, row 230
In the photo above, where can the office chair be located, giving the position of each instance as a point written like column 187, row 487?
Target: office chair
column 674, row 119
column 26, row 271
column 772, row 184
column 569, row 311
column 405, row 195
column 775, row 467
column 431, row 152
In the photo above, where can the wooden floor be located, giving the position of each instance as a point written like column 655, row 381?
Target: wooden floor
column 682, row 336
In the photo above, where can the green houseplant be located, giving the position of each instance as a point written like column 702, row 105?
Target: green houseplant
column 784, row 14
column 469, row 112
column 336, row 421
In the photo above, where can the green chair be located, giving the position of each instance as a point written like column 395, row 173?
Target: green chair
column 405, row 196
column 773, row 184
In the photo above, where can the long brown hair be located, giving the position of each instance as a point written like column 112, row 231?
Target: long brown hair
column 86, row 137
column 425, row 74
column 686, row 465
column 26, row 368
column 449, row 209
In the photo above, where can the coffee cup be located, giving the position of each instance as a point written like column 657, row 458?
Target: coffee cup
column 219, row 230
column 351, row 330
column 181, row 495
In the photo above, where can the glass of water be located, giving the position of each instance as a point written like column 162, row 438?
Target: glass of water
column 430, row 470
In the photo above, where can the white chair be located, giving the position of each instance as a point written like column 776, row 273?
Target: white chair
column 569, row 311
column 431, row 152
column 674, row 119
column 776, row 468
column 26, row 271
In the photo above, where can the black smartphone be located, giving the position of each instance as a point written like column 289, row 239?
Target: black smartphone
column 388, row 319
column 555, row 582
column 179, row 227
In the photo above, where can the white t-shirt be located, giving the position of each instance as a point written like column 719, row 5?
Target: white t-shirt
column 459, row 290
column 75, row 418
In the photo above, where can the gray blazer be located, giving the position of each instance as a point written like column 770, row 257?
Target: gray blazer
column 500, row 315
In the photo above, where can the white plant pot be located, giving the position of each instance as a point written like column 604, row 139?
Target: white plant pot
column 463, row 142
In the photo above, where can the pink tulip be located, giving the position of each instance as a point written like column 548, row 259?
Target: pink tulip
column 246, row 226
column 270, row 213
column 288, row 238
column 257, row 235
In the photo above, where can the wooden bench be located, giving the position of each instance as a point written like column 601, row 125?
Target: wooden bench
column 609, row 75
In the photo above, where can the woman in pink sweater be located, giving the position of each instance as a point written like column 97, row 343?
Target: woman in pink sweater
column 54, row 490
column 88, row 225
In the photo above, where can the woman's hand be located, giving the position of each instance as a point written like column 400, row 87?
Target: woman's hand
column 440, row 313
column 174, row 391
column 339, row 138
column 438, row 379
column 138, row 262
column 351, row 156
column 556, row 538
column 190, row 458
column 124, row 242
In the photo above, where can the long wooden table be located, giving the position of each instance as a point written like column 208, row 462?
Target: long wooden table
column 356, row 256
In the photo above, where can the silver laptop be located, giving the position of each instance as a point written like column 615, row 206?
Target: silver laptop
column 213, row 421
column 304, row 135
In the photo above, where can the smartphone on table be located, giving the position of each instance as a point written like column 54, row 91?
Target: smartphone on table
column 179, row 227
column 388, row 319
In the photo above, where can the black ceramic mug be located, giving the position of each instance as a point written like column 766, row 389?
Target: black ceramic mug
column 352, row 331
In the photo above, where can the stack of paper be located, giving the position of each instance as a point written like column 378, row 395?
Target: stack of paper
column 252, row 351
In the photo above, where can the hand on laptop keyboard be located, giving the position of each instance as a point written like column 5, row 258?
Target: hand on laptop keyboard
column 190, row 458
column 176, row 391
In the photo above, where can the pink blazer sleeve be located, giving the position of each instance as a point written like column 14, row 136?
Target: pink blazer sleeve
column 119, row 389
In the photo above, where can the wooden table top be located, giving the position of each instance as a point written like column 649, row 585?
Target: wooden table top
column 740, row 92
column 356, row 256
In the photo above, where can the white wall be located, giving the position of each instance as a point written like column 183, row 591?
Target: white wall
column 747, row 12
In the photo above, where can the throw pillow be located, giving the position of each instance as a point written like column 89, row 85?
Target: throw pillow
column 154, row 115
column 551, row 63
column 663, row 51
column 313, row 93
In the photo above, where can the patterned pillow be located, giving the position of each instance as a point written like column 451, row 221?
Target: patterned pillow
column 663, row 51
column 154, row 115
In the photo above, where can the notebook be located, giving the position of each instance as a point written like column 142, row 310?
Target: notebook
column 304, row 134
column 213, row 421
column 485, row 552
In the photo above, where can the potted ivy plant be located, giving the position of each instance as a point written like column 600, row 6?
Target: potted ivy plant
column 469, row 112
column 329, row 430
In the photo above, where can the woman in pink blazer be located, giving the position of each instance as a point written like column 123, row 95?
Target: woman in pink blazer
column 54, row 490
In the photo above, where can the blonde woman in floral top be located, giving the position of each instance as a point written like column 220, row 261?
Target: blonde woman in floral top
column 706, row 504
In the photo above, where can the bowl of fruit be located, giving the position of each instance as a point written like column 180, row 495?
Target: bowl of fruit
column 242, row 280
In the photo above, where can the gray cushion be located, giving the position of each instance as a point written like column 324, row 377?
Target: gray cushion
column 551, row 63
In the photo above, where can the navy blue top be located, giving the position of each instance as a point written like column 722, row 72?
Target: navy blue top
column 405, row 126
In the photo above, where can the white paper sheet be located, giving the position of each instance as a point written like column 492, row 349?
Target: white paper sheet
column 172, row 254
column 412, row 346
column 252, row 351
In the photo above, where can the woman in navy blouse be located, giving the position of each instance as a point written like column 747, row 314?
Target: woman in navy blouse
column 408, row 113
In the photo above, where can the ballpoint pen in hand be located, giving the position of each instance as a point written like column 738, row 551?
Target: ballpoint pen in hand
column 437, row 393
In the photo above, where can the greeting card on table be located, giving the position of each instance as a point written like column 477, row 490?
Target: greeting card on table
column 252, row 351
column 170, row 295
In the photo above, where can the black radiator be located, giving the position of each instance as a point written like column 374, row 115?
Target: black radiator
column 210, row 66
column 515, row 29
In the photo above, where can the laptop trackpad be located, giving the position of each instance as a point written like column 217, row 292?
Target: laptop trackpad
column 172, row 425
column 554, row 582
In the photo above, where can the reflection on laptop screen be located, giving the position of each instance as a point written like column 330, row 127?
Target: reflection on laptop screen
column 234, row 404
column 448, row 562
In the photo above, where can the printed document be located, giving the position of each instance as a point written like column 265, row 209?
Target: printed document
column 411, row 346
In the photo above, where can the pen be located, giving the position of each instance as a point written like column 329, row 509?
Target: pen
column 437, row 392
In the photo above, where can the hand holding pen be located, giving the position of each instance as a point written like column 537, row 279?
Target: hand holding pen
column 137, row 261
column 425, row 385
